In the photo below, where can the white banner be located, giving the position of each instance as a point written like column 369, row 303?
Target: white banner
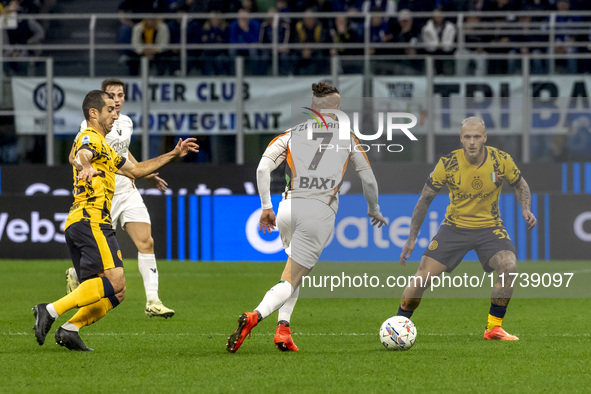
column 177, row 106
column 557, row 104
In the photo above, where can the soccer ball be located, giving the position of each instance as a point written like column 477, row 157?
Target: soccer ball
column 398, row 333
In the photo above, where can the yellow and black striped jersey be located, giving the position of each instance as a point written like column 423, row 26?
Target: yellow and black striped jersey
column 474, row 190
column 92, row 200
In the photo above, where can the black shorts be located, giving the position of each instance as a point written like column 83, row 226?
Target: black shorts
column 93, row 248
column 450, row 245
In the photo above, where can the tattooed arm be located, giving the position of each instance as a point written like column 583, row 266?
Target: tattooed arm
column 418, row 216
column 524, row 197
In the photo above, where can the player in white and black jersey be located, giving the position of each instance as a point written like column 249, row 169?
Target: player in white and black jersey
column 316, row 163
column 128, row 209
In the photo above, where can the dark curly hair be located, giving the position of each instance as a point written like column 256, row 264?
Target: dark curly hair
column 323, row 89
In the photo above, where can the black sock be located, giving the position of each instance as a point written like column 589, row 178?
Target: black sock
column 405, row 313
column 285, row 322
column 497, row 310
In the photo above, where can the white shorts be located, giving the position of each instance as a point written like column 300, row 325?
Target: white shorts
column 305, row 226
column 129, row 207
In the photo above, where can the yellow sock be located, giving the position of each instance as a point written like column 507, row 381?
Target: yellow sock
column 89, row 292
column 91, row 313
column 493, row 321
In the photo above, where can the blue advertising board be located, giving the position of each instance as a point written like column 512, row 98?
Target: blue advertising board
column 355, row 239
column 234, row 234
column 225, row 228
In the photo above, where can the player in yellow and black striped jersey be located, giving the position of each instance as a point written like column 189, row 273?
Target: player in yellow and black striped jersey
column 474, row 190
column 92, row 200
column 89, row 235
column 474, row 176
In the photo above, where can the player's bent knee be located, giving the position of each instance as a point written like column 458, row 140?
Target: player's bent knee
column 504, row 261
column 121, row 295
column 146, row 245
column 118, row 284
column 511, row 266
column 117, row 279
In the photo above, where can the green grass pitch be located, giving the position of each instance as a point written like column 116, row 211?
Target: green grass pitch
column 337, row 337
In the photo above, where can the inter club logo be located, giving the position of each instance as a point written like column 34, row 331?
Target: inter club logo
column 477, row 183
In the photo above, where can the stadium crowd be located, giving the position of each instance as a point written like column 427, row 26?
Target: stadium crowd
column 410, row 35
column 436, row 35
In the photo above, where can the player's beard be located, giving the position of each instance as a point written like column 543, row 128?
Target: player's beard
column 107, row 126
column 476, row 154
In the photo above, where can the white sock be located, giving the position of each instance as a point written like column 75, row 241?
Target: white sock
column 147, row 266
column 52, row 311
column 275, row 297
column 286, row 310
column 70, row 326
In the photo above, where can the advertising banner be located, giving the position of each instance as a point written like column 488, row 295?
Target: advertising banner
column 570, row 227
column 353, row 239
column 189, row 106
column 199, row 179
column 206, row 179
column 33, row 227
column 556, row 104
column 225, row 228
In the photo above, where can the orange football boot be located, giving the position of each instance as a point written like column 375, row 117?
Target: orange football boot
column 246, row 322
column 500, row 334
column 283, row 339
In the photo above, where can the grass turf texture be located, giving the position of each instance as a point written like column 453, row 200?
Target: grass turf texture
column 338, row 339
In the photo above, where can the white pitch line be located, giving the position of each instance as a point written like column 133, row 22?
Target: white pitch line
column 583, row 271
column 434, row 334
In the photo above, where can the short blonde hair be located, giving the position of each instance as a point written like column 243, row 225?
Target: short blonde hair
column 473, row 121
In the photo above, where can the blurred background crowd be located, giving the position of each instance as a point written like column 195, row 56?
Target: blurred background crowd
column 409, row 34
column 292, row 37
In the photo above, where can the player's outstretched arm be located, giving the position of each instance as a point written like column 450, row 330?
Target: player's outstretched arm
column 160, row 183
column 524, row 197
column 140, row 170
column 418, row 216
